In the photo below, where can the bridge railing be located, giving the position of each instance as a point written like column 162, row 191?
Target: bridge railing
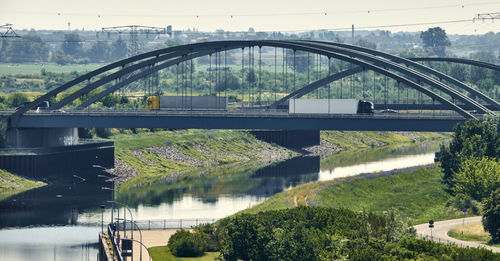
column 251, row 113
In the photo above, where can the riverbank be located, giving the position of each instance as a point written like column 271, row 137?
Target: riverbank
column 416, row 193
column 148, row 158
column 11, row 184
column 165, row 156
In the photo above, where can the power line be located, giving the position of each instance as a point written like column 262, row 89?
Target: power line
column 229, row 15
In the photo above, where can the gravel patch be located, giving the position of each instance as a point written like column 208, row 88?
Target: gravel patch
column 141, row 156
column 268, row 153
column 122, row 171
column 16, row 185
column 408, row 134
column 173, row 154
column 324, row 148
column 374, row 142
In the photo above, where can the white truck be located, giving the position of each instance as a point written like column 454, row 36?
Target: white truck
column 330, row 106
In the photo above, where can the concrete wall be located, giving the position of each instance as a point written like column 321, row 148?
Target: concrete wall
column 41, row 137
column 38, row 163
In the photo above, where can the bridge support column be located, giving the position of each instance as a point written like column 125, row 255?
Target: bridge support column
column 294, row 139
column 41, row 137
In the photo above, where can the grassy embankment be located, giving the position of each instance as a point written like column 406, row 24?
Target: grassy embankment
column 417, row 195
column 472, row 232
column 11, row 184
column 162, row 253
column 202, row 149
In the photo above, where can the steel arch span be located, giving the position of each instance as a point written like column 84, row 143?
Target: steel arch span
column 137, row 67
column 413, row 63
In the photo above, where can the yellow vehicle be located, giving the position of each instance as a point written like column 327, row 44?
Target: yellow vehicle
column 153, row 103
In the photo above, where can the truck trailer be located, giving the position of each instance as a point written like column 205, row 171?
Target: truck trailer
column 186, row 103
column 330, row 106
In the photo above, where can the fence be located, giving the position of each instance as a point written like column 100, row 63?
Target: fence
column 440, row 240
column 168, row 223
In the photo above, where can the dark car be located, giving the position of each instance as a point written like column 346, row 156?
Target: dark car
column 388, row 111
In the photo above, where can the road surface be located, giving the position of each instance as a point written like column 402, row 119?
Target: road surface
column 441, row 228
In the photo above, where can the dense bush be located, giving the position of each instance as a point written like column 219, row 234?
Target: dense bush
column 461, row 201
column 103, row 132
column 210, row 235
column 313, row 233
column 491, row 216
column 186, row 244
column 17, row 99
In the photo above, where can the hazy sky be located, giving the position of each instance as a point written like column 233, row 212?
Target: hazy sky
column 263, row 15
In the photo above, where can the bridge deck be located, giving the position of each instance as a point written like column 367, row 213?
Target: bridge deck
column 263, row 120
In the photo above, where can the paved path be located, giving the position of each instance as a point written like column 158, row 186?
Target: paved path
column 150, row 238
column 441, row 228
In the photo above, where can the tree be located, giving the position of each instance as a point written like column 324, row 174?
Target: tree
column 473, row 139
column 111, row 100
column 228, row 82
column 435, row 39
column 27, row 49
column 458, row 72
column 491, row 216
column 477, row 178
column 99, row 51
column 17, row 99
column 366, row 44
column 173, row 42
column 119, row 48
column 479, row 73
column 72, row 45
column 303, row 60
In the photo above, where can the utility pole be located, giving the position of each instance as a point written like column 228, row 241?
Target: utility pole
column 486, row 16
column 6, row 32
column 134, row 31
column 352, row 36
column 9, row 32
column 150, row 83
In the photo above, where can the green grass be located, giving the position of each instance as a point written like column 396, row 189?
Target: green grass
column 161, row 253
column 472, row 232
column 228, row 147
column 417, row 195
column 35, row 68
column 11, row 184
column 220, row 148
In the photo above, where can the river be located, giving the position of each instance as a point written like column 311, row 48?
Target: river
column 61, row 221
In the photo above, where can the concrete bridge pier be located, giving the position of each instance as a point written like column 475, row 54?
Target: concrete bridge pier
column 295, row 139
column 41, row 137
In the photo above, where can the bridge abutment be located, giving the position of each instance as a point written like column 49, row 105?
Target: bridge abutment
column 41, row 137
column 38, row 152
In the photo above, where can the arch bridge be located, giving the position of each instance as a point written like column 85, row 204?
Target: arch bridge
column 271, row 73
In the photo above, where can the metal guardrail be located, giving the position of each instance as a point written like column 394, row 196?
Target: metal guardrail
column 184, row 223
column 247, row 113
column 116, row 249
